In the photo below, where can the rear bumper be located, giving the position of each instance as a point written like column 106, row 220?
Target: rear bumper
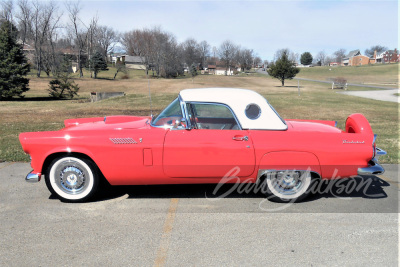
column 373, row 168
column 33, row 177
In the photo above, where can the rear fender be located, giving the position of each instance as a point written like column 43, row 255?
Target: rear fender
column 357, row 123
column 289, row 160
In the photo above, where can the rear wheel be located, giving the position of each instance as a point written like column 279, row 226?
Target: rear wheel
column 72, row 179
column 287, row 186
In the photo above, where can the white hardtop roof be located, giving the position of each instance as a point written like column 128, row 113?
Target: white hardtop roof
column 238, row 100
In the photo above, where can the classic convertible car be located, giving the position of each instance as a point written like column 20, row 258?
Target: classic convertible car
column 203, row 136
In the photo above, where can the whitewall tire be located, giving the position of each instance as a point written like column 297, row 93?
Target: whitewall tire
column 72, row 179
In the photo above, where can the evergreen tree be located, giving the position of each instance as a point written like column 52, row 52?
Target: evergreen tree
column 97, row 63
column 13, row 64
column 193, row 71
column 63, row 86
column 306, row 58
column 283, row 69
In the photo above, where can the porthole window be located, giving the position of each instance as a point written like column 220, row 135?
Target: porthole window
column 253, row 111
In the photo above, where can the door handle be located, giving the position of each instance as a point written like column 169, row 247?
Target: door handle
column 240, row 138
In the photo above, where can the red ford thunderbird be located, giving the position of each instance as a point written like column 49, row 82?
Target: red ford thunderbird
column 201, row 137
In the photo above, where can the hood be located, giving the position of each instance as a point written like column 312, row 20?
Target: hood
column 109, row 122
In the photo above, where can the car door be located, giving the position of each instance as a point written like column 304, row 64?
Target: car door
column 212, row 147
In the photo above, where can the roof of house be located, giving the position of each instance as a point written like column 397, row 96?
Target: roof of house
column 134, row 59
column 239, row 100
column 353, row 53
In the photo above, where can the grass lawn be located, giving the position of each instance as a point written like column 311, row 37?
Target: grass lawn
column 385, row 75
column 36, row 112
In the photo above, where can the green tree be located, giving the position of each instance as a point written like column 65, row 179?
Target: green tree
column 63, row 86
column 306, row 58
column 13, row 64
column 193, row 71
column 283, row 68
column 98, row 63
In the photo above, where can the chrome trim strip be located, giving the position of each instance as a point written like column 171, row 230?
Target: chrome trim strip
column 33, row 177
column 373, row 168
column 185, row 113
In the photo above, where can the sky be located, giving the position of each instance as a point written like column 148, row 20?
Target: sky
column 264, row 26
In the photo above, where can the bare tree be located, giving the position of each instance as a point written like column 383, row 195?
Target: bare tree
column 51, row 60
column 76, row 31
column 245, row 58
column 91, row 40
column 43, row 19
column 191, row 52
column 378, row 48
column 204, row 50
column 339, row 55
column 292, row 56
column 106, row 39
column 329, row 60
column 257, row 61
column 320, row 57
column 7, row 8
column 25, row 18
column 227, row 52
column 140, row 43
column 158, row 50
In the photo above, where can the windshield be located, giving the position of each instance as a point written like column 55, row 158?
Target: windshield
column 169, row 115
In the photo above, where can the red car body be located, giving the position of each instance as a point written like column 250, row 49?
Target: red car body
column 130, row 150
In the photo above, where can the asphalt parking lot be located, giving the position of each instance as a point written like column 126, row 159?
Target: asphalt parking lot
column 191, row 226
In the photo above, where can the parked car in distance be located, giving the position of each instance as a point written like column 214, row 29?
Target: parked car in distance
column 201, row 137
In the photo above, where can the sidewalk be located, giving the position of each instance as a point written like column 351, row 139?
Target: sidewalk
column 382, row 95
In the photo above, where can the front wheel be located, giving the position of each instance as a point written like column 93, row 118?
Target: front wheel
column 72, row 179
column 288, row 186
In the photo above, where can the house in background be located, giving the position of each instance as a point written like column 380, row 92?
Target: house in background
column 346, row 60
column 134, row 62
column 219, row 68
column 131, row 62
column 359, row 60
column 390, row 56
column 354, row 58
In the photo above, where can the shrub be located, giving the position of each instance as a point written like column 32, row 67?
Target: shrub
column 62, row 87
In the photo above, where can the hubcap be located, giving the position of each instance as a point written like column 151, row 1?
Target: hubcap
column 72, row 177
column 287, row 183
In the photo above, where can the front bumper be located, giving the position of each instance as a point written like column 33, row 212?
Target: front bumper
column 373, row 166
column 33, row 177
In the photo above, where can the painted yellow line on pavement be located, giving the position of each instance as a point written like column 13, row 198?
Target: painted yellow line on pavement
column 8, row 164
column 166, row 236
column 389, row 180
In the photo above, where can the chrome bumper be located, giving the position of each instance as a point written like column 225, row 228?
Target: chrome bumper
column 33, row 177
column 373, row 168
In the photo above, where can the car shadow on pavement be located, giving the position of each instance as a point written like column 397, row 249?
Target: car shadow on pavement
column 370, row 187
